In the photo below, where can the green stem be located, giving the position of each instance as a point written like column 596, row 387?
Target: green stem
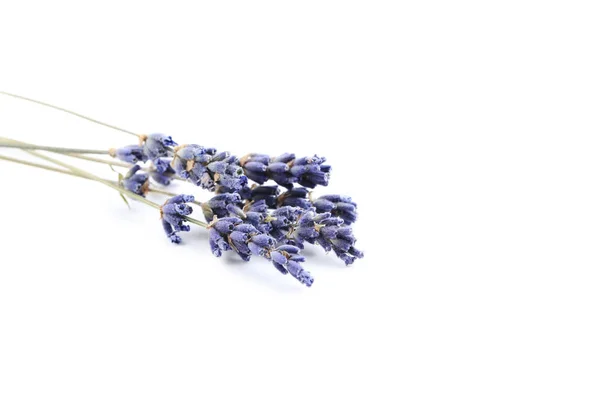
column 52, row 149
column 16, row 96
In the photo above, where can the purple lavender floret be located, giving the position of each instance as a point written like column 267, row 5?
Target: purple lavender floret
column 157, row 145
column 337, row 205
column 136, row 182
column 163, row 173
column 286, row 170
column 255, row 214
column 231, row 233
column 295, row 197
column 283, row 221
column 130, row 154
column 267, row 193
column 217, row 205
column 230, row 205
column 329, row 232
column 172, row 214
column 286, row 259
column 206, row 168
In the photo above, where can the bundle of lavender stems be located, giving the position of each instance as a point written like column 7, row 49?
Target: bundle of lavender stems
column 260, row 205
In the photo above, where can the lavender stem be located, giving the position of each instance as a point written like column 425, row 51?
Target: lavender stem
column 85, row 174
column 16, row 96
column 52, row 149
column 170, row 194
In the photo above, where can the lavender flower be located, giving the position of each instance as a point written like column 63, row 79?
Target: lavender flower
column 283, row 221
column 329, row 232
column 295, row 197
column 157, row 145
column 173, row 213
column 255, row 214
column 267, row 193
column 231, row 234
column 162, row 173
column 337, row 205
column 217, row 206
column 205, row 168
column 286, row 170
column 130, row 154
column 287, row 258
column 136, row 182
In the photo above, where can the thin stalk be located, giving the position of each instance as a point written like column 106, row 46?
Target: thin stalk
column 16, row 96
column 100, row 180
column 84, row 157
column 170, row 194
column 71, row 173
column 121, row 190
column 37, row 165
column 115, row 163
column 52, row 149
column 99, row 160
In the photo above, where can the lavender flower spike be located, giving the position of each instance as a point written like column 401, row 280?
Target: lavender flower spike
column 163, row 173
column 296, row 197
column 231, row 234
column 157, row 145
column 286, row 258
column 286, row 170
column 172, row 214
column 205, row 168
column 255, row 193
column 338, row 206
column 135, row 182
column 217, row 206
column 329, row 232
column 130, row 154
column 254, row 213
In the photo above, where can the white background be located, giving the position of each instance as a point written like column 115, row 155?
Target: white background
column 466, row 131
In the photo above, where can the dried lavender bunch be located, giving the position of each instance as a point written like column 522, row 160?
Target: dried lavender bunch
column 286, row 169
column 241, row 218
column 232, row 234
column 206, row 168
